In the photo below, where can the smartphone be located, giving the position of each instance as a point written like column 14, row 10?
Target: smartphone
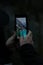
column 21, row 26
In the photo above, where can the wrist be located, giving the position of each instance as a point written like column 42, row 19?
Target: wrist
column 23, row 43
column 30, row 43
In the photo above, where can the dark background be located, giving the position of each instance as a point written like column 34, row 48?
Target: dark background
column 34, row 11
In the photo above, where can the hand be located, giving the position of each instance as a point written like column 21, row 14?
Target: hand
column 26, row 40
column 29, row 38
column 11, row 39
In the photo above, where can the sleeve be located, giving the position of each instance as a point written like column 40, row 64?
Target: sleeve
column 28, row 55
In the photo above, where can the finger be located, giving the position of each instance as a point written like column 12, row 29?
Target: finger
column 29, row 34
column 18, row 37
column 21, row 39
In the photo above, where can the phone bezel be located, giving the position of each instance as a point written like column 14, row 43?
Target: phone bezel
column 21, row 16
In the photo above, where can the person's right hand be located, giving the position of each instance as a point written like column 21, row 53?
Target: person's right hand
column 27, row 40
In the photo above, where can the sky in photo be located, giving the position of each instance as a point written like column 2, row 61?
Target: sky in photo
column 22, row 20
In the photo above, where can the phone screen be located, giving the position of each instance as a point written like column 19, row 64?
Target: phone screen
column 21, row 25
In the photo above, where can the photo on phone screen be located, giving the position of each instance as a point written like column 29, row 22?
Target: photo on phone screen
column 21, row 30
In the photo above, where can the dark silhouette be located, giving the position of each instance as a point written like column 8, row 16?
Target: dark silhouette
column 29, row 55
column 4, row 51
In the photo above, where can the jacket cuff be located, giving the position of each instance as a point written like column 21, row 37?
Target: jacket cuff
column 26, row 47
